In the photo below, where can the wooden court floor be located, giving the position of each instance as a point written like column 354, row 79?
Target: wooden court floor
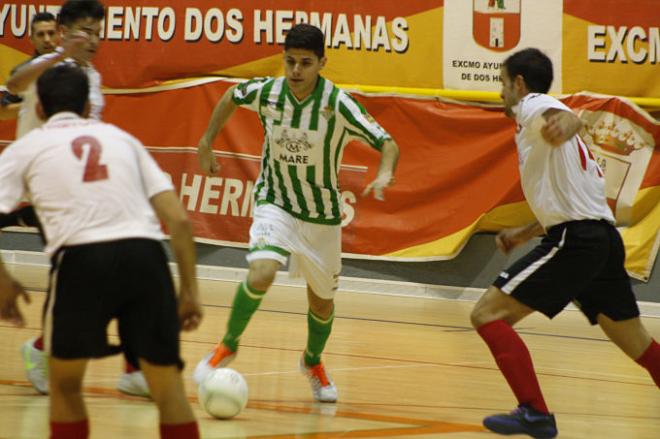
column 405, row 368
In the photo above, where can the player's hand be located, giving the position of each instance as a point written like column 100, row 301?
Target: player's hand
column 378, row 186
column 559, row 127
column 10, row 291
column 74, row 44
column 190, row 312
column 509, row 239
column 207, row 160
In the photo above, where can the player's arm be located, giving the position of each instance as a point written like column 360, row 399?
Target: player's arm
column 560, row 126
column 25, row 75
column 221, row 114
column 508, row 239
column 10, row 291
column 170, row 211
column 385, row 176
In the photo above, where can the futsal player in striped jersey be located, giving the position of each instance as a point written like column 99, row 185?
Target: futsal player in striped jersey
column 579, row 260
column 307, row 123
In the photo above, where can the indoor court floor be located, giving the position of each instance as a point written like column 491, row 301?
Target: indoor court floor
column 405, row 367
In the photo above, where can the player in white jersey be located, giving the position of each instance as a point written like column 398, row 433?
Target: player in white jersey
column 44, row 38
column 307, row 122
column 100, row 196
column 580, row 259
column 80, row 25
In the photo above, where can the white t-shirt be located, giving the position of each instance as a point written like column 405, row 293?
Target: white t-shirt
column 27, row 116
column 561, row 183
column 89, row 182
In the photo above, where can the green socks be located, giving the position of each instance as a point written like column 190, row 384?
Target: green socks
column 246, row 302
column 317, row 335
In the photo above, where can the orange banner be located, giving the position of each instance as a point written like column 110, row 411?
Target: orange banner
column 148, row 42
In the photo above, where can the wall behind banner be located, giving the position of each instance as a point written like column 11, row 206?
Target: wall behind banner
column 604, row 46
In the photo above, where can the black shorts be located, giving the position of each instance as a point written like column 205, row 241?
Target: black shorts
column 579, row 261
column 128, row 280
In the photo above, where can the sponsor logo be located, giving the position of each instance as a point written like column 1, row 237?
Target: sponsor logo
column 294, row 148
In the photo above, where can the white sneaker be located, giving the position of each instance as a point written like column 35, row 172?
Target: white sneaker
column 219, row 357
column 323, row 388
column 36, row 366
column 134, row 384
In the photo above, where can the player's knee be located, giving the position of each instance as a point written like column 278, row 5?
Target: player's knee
column 261, row 278
column 66, row 386
column 322, row 308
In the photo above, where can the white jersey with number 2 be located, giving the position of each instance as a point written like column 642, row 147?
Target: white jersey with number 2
column 89, row 182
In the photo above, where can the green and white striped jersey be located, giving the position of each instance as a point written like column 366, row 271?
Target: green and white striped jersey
column 304, row 143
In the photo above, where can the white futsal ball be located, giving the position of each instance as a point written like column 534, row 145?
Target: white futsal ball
column 223, row 393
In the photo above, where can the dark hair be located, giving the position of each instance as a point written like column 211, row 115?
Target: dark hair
column 64, row 87
column 73, row 10
column 534, row 66
column 305, row 36
column 40, row 17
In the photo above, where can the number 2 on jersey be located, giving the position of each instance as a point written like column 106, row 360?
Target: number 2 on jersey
column 94, row 171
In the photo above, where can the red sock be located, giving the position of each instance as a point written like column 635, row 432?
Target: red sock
column 69, row 430
column 514, row 361
column 129, row 368
column 39, row 343
column 650, row 360
column 179, row 431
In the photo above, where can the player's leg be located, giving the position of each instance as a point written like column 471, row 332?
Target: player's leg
column 634, row 340
column 246, row 301
column 176, row 417
column 68, row 417
column 319, row 261
column 493, row 317
column 320, row 318
column 149, row 330
column 611, row 303
column 544, row 280
column 270, row 245
column 32, row 351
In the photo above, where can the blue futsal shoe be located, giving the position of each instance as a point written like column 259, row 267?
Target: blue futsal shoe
column 523, row 420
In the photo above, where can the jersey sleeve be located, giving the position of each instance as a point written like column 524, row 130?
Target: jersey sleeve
column 246, row 94
column 12, row 182
column 359, row 124
column 534, row 105
column 154, row 179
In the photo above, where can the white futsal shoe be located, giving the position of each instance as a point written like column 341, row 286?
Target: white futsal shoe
column 323, row 388
column 219, row 357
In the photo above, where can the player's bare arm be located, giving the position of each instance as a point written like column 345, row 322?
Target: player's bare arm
column 385, row 177
column 72, row 45
column 10, row 291
column 560, row 126
column 221, row 114
column 508, row 239
column 169, row 210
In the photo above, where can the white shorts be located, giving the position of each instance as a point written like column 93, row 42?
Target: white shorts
column 315, row 249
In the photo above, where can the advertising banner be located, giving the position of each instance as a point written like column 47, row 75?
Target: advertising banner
column 603, row 46
column 458, row 172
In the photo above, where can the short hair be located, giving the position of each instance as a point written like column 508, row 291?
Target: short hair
column 305, row 36
column 534, row 66
column 41, row 17
column 73, row 10
column 64, row 87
